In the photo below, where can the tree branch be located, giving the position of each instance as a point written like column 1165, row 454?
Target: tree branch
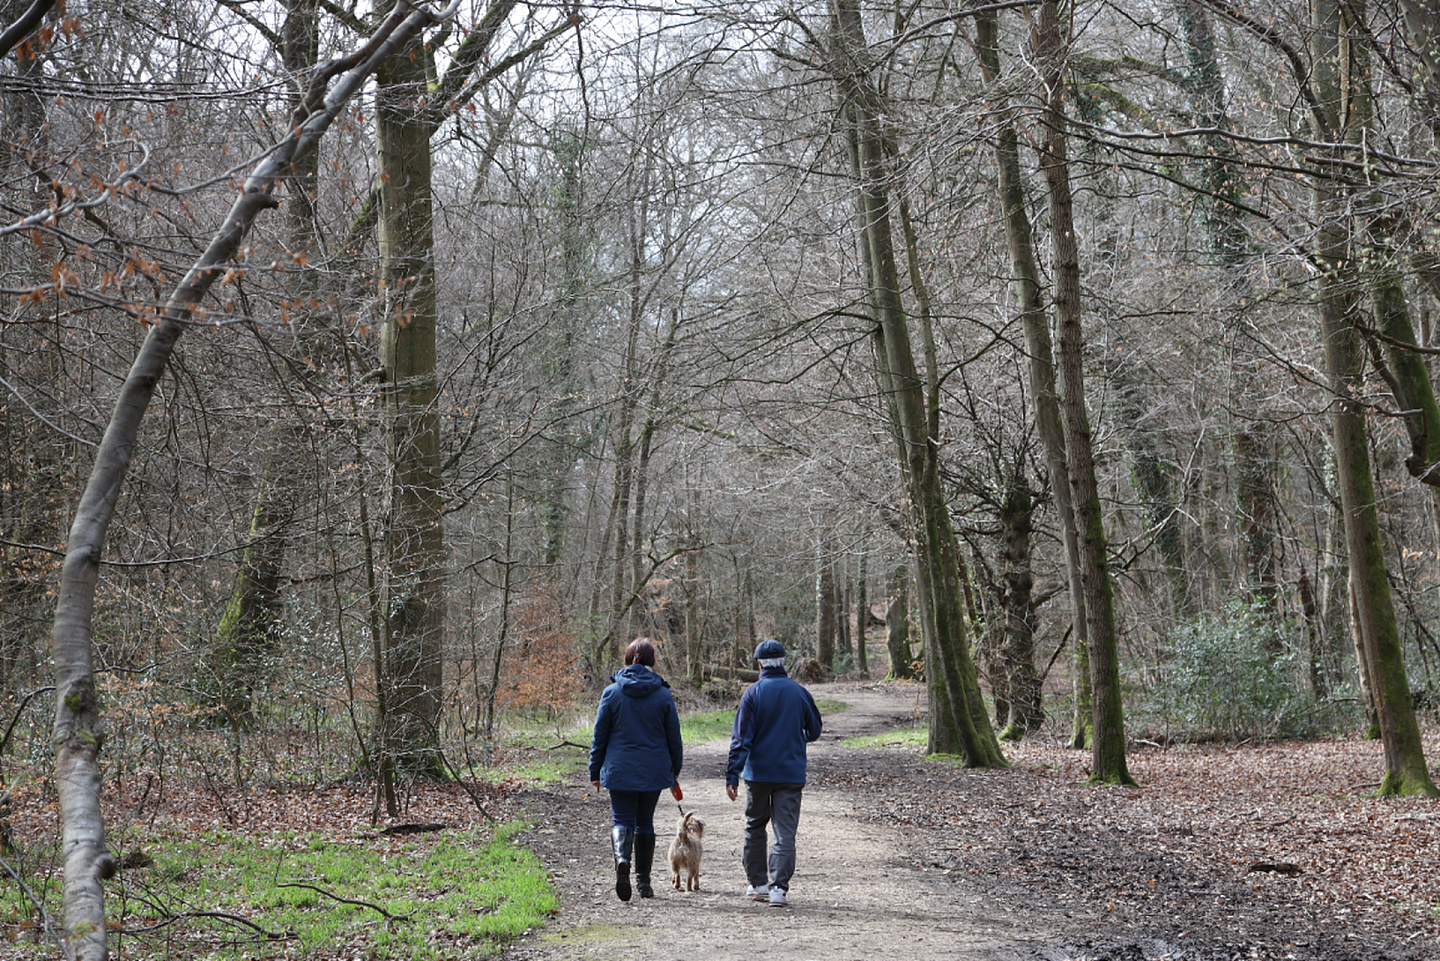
column 22, row 28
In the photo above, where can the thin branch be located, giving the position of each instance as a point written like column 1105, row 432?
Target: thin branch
column 15, row 718
column 50, row 933
column 21, row 28
column 335, row 897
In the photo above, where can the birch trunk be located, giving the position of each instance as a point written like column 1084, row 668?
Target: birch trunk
column 78, row 733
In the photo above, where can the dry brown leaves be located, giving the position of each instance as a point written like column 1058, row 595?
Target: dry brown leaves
column 1191, row 855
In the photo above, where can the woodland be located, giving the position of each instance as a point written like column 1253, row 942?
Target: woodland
column 369, row 375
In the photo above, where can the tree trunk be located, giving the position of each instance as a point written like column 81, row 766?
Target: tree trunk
column 413, row 591
column 1422, row 28
column 694, row 621
column 38, row 463
column 897, row 625
column 1108, row 751
column 1040, row 355
column 1221, row 179
column 1150, row 476
column 959, row 723
column 1342, row 80
column 824, row 607
column 568, row 204
column 1255, row 496
column 78, row 730
column 250, row 627
column 1022, row 682
column 862, row 610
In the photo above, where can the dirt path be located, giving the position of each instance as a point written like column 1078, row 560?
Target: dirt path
column 854, row 889
column 906, row 858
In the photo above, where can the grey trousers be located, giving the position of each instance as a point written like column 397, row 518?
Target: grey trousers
column 776, row 805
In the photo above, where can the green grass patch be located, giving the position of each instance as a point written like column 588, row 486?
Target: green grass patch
column 538, row 754
column 831, row 707
column 916, row 737
column 541, row 767
column 706, row 726
column 417, row 898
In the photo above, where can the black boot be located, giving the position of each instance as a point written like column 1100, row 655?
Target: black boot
column 644, row 857
column 623, row 839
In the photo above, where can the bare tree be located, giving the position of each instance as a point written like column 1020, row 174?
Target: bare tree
column 79, row 732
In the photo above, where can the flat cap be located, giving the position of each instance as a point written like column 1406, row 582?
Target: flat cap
column 769, row 649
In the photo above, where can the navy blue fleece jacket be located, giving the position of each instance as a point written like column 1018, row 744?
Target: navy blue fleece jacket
column 637, row 733
column 776, row 719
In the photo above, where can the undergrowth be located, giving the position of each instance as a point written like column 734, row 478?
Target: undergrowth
column 220, row 894
column 194, row 887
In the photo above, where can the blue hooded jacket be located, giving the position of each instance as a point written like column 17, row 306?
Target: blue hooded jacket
column 637, row 733
column 777, row 717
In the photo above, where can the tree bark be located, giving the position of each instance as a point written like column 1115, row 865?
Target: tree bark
column 250, row 626
column 862, row 609
column 824, row 606
column 1022, row 682
column 39, row 462
column 413, row 592
column 78, row 730
column 1342, row 82
column 959, row 723
column 1040, row 355
column 1255, row 502
column 897, row 625
column 1108, row 751
column 1422, row 28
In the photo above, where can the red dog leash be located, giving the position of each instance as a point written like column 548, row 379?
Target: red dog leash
column 678, row 795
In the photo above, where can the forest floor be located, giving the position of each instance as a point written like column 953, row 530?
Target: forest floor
column 1224, row 852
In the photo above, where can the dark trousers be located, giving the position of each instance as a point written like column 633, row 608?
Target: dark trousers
column 634, row 810
column 778, row 806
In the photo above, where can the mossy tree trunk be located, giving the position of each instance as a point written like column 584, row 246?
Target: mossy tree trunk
column 250, row 628
column 568, row 207
column 1022, row 682
column 897, row 625
column 959, row 722
column 1108, row 763
column 1040, row 356
column 1343, row 107
column 1257, row 506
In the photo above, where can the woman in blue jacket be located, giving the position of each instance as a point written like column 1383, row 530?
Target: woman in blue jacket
column 636, row 754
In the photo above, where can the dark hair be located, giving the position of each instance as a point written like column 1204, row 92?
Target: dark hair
column 640, row 651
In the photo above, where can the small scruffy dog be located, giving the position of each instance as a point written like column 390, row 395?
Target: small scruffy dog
column 686, row 850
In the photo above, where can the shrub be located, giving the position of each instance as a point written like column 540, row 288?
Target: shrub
column 1235, row 675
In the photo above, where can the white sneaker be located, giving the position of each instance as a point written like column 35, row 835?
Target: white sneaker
column 777, row 898
column 757, row 893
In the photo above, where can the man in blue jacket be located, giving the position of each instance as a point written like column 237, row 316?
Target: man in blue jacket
column 776, row 719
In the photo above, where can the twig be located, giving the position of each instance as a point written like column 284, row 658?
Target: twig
column 15, row 718
column 455, row 773
column 220, row 915
column 336, row 897
column 48, row 927
column 556, row 747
